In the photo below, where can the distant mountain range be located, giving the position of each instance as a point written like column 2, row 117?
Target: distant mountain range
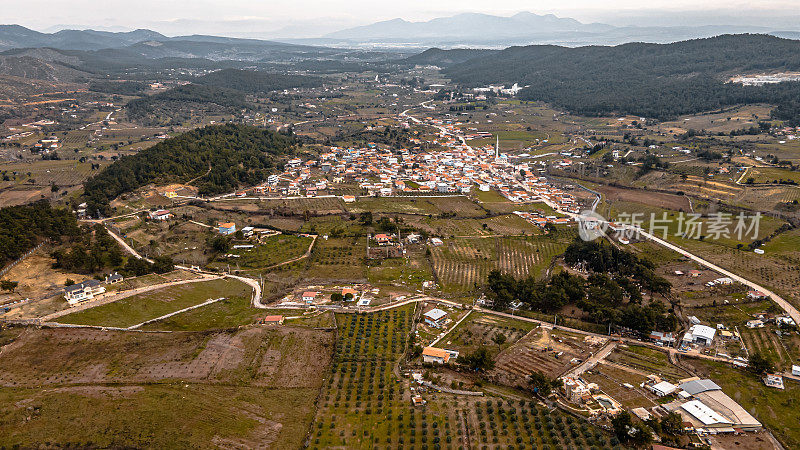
column 70, row 55
column 468, row 26
column 525, row 28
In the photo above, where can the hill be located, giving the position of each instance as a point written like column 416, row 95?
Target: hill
column 467, row 26
column 224, row 157
column 651, row 80
column 445, row 58
column 251, row 81
column 16, row 36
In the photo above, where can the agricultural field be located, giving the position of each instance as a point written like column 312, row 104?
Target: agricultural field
column 544, row 350
column 364, row 405
column 408, row 273
column 143, row 307
column 240, row 389
column 647, row 360
column 779, row 271
column 229, row 313
column 270, row 252
column 338, row 258
column 481, row 329
column 460, row 264
column 506, row 224
column 460, row 206
column 772, row 175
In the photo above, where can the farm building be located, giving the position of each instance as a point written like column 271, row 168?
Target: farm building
column 83, row 291
column 435, row 317
column 700, row 334
column 273, row 320
column 774, row 380
column 796, row 370
column 663, row 388
column 161, row 215
column 755, row 323
column 435, row 355
column 712, row 410
column 577, row 390
column 309, row 296
column 226, row 228
column 662, row 338
column 383, row 239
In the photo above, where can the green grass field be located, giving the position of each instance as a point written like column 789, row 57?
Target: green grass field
column 140, row 308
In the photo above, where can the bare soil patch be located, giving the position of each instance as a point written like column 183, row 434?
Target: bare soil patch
column 657, row 199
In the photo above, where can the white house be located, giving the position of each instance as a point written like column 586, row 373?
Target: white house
column 161, row 215
column 83, row 291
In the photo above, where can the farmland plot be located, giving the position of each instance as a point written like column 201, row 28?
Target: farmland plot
column 461, row 263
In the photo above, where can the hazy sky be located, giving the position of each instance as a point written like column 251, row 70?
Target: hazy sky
column 316, row 17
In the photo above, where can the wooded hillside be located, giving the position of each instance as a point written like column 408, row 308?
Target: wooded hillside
column 652, row 80
column 222, row 156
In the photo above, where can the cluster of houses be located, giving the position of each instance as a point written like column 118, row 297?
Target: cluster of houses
column 46, row 145
column 383, row 172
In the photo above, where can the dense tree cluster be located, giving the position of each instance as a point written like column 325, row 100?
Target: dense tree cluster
column 24, row 227
column 94, row 250
column 254, row 82
column 223, row 156
column 479, row 360
column 652, row 80
column 612, row 293
column 89, row 252
column 600, row 257
column 163, row 108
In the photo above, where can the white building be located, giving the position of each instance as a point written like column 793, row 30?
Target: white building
column 700, row 334
column 83, row 291
column 663, row 388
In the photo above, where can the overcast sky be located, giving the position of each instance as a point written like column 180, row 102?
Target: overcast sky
column 292, row 18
